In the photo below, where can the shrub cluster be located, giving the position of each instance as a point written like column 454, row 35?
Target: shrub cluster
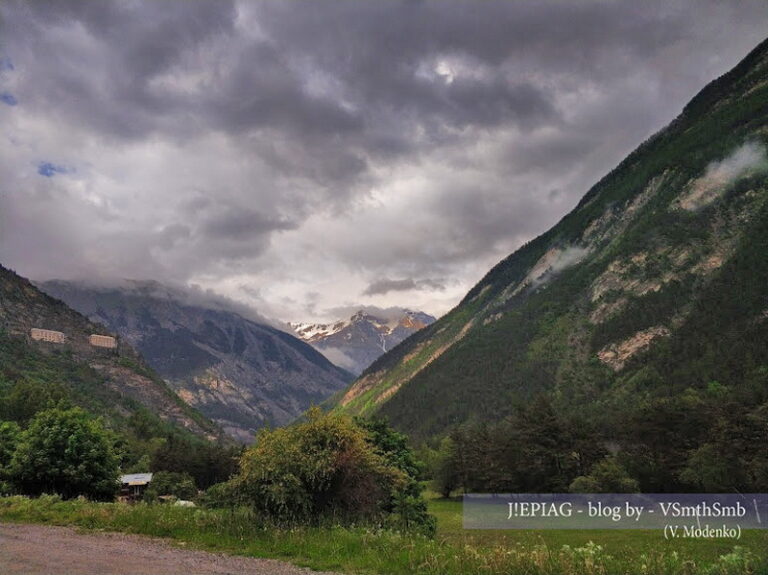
column 63, row 451
column 328, row 469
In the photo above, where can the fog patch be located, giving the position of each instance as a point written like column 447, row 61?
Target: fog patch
column 748, row 160
column 568, row 257
column 553, row 262
column 549, row 265
column 188, row 295
column 339, row 358
column 385, row 285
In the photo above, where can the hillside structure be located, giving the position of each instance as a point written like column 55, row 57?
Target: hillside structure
column 49, row 335
column 107, row 341
column 133, row 485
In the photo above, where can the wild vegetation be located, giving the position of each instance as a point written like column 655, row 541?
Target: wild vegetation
column 453, row 551
column 65, row 428
column 325, row 469
column 328, row 469
column 40, row 389
column 66, row 452
column 700, row 441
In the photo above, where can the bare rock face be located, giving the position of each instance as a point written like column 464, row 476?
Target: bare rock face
column 242, row 374
column 616, row 354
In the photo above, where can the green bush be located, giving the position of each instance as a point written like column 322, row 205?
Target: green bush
column 410, row 513
column 65, row 452
column 445, row 471
column 10, row 435
column 327, row 469
column 220, row 496
column 321, row 468
column 606, row 476
column 407, row 508
column 178, row 485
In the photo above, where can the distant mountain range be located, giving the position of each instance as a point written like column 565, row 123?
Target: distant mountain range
column 653, row 287
column 240, row 373
column 357, row 342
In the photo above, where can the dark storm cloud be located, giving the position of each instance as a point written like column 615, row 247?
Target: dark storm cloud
column 263, row 91
column 242, row 225
column 392, row 141
column 264, row 84
column 94, row 61
column 386, row 285
column 378, row 49
column 377, row 57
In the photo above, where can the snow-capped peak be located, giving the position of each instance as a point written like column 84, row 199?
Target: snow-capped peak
column 410, row 320
column 354, row 343
column 315, row 331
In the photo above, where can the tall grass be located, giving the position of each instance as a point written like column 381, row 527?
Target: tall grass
column 371, row 550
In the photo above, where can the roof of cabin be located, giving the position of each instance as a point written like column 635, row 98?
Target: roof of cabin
column 136, row 478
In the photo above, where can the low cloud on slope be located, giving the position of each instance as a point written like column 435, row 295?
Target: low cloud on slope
column 746, row 160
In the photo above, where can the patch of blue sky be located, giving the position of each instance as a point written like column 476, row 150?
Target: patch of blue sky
column 49, row 170
column 8, row 99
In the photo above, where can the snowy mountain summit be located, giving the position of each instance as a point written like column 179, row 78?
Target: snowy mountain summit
column 358, row 341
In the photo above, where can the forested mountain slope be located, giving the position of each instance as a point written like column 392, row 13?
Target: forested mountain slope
column 654, row 287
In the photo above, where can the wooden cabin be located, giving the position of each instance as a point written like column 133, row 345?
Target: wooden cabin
column 133, row 486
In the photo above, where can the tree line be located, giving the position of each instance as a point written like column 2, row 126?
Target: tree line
column 705, row 440
column 328, row 468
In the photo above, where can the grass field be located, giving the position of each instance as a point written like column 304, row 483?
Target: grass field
column 367, row 550
column 625, row 547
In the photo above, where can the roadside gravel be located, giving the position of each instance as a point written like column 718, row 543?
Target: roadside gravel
column 45, row 550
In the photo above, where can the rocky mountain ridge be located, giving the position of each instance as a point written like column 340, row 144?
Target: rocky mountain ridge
column 242, row 374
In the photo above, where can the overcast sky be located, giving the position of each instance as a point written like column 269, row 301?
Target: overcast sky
column 308, row 157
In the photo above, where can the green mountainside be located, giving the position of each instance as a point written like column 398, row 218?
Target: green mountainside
column 653, row 289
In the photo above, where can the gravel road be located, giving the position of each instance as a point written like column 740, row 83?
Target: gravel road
column 44, row 550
